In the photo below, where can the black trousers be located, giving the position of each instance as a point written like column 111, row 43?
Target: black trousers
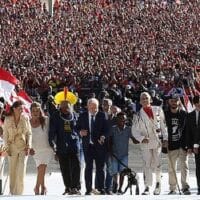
column 197, row 162
column 70, row 170
column 96, row 154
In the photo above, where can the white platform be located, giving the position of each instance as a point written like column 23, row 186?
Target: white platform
column 56, row 188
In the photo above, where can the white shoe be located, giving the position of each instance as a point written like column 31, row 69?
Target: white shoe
column 157, row 189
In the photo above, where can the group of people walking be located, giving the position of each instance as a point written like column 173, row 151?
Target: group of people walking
column 103, row 136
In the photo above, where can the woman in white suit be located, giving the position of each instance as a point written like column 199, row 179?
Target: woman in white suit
column 148, row 128
column 17, row 136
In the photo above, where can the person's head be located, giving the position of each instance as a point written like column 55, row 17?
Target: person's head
column 145, row 99
column 121, row 119
column 115, row 110
column 106, row 105
column 196, row 102
column 93, row 105
column 36, row 110
column 16, row 108
column 37, row 113
column 174, row 101
column 65, row 107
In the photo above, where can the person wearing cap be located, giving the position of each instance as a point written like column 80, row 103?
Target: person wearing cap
column 193, row 136
column 64, row 140
column 148, row 126
column 176, row 121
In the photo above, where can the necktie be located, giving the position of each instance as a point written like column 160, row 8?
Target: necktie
column 92, row 127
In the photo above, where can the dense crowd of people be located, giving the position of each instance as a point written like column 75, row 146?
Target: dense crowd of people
column 91, row 46
column 118, row 57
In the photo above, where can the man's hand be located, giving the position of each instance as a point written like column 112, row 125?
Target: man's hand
column 83, row 133
column 101, row 140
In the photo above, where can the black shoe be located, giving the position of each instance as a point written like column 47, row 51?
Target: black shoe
column 74, row 191
column 146, row 191
column 115, row 186
column 186, row 191
column 88, row 193
column 198, row 193
column 108, row 192
column 67, row 191
column 102, row 192
column 172, row 192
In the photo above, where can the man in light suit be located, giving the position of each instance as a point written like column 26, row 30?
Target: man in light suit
column 193, row 136
column 148, row 127
column 93, row 128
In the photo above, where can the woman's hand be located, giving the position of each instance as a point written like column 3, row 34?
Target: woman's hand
column 26, row 150
column 31, row 152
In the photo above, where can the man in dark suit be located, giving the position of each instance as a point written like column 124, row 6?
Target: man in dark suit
column 93, row 128
column 193, row 136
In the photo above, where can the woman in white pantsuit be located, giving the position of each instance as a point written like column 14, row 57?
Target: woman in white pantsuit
column 148, row 127
column 43, row 153
column 17, row 137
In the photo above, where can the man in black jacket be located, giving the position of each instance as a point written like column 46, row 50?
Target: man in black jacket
column 193, row 136
column 175, row 121
column 64, row 139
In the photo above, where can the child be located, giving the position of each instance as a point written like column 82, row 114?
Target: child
column 119, row 137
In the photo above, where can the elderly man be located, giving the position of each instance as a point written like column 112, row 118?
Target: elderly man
column 93, row 129
column 147, row 128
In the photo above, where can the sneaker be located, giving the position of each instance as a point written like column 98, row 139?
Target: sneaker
column 146, row 191
column 95, row 191
column 186, row 191
column 172, row 192
column 157, row 189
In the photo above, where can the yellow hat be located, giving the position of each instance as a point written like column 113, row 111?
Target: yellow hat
column 65, row 96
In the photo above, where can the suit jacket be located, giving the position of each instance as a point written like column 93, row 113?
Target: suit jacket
column 192, row 130
column 143, row 127
column 100, row 128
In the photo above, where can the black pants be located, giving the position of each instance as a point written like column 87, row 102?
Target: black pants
column 70, row 169
column 96, row 154
column 197, row 162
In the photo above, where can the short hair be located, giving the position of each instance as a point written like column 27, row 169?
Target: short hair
column 145, row 94
column 196, row 99
column 109, row 101
column 93, row 100
column 120, row 114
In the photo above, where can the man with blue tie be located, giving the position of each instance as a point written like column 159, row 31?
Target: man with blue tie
column 93, row 128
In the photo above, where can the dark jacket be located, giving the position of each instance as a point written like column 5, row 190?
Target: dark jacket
column 62, row 132
column 192, row 130
column 176, row 125
column 100, row 128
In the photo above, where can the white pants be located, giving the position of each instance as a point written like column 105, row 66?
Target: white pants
column 151, row 162
column 17, row 170
column 1, row 167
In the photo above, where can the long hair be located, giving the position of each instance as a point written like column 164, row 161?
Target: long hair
column 42, row 117
column 16, row 104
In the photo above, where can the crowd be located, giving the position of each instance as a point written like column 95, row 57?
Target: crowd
column 96, row 45
column 132, row 53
